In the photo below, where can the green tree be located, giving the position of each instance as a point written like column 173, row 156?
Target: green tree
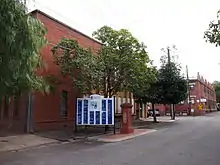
column 212, row 34
column 119, row 65
column 78, row 63
column 124, row 59
column 21, row 39
column 216, row 85
column 173, row 84
column 148, row 90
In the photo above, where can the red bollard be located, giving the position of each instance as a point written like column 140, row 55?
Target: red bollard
column 126, row 119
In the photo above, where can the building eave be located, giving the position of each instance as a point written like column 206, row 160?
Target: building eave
column 64, row 24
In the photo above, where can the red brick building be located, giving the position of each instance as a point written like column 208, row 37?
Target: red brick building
column 38, row 112
column 202, row 92
column 56, row 110
column 202, row 96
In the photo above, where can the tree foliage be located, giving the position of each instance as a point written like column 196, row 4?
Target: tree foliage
column 212, row 35
column 21, row 38
column 78, row 63
column 173, row 84
column 148, row 90
column 120, row 64
column 124, row 59
column 216, row 85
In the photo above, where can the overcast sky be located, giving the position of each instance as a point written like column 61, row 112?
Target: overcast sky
column 158, row 23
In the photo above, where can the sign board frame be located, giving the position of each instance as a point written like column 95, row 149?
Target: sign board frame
column 96, row 112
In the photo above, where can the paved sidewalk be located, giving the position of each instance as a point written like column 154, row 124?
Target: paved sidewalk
column 121, row 137
column 19, row 142
column 68, row 135
column 160, row 119
column 14, row 143
column 148, row 122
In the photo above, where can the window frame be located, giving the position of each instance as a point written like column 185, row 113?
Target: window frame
column 64, row 104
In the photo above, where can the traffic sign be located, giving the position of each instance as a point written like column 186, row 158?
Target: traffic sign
column 200, row 106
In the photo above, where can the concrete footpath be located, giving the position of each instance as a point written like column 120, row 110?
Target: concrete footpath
column 164, row 119
column 111, row 138
column 25, row 141
column 14, row 143
column 142, row 127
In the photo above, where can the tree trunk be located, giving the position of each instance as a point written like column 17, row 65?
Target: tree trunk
column 172, row 112
column 154, row 114
column 6, row 107
column 139, row 111
column 1, row 108
column 11, row 111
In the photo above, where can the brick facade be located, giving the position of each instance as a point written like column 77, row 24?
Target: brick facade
column 201, row 93
column 47, row 108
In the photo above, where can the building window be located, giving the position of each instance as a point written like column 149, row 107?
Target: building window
column 64, row 102
column 212, row 93
column 192, row 86
column 16, row 106
column 6, row 107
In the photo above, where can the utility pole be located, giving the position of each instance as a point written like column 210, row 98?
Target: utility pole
column 168, row 54
column 188, row 88
column 172, row 113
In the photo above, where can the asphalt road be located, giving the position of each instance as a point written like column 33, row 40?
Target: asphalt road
column 190, row 141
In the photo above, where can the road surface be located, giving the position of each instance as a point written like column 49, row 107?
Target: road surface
column 190, row 141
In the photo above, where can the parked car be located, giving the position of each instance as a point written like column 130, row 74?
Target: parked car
column 150, row 112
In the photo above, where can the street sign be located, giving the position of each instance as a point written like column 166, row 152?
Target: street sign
column 203, row 100
column 95, row 111
column 200, row 106
column 95, row 96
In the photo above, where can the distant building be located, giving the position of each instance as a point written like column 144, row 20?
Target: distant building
column 202, row 96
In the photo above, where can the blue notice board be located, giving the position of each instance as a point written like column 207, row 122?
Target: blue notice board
column 95, row 111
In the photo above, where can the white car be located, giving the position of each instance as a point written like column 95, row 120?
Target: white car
column 150, row 112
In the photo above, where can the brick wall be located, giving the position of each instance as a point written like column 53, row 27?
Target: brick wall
column 47, row 107
column 201, row 90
